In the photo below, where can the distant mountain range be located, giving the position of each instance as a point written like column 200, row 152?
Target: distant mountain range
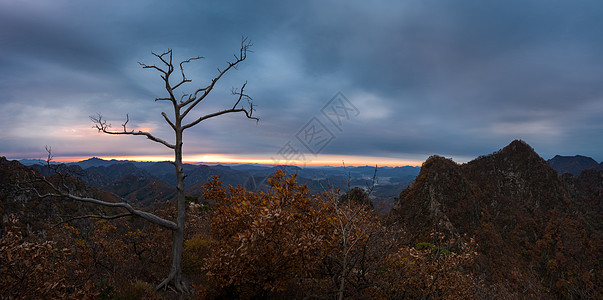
column 146, row 182
column 132, row 179
column 574, row 164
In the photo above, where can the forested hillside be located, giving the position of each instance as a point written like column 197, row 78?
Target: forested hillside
column 536, row 235
column 505, row 226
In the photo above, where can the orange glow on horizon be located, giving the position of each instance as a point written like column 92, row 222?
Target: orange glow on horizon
column 321, row 160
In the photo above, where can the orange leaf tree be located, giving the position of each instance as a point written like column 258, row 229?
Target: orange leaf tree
column 266, row 242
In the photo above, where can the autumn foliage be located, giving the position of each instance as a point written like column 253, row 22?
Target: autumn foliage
column 288, row 243
column 38, row 269
column 264, row 242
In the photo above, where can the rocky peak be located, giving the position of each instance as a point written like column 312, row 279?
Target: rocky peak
column 518, row 155
column 436, row 197
column 517, row 172
column 513, row 180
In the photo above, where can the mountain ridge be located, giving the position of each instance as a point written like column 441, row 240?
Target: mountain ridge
column 573, row 164
column 109, row 174
column 518, row 209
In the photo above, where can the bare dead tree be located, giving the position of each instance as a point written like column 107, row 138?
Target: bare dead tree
column 181, row 110
column 356, row 233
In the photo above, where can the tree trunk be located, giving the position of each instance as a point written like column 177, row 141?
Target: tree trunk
column 343, row 275
column 175, row 277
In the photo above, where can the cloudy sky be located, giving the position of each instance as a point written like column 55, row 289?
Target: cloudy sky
column 388, row 82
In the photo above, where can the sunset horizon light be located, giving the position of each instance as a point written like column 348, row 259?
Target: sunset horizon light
column 321, row 160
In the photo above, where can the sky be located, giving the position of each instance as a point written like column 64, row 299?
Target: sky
column 355, row 82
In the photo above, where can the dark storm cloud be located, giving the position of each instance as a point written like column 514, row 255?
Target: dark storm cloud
column 474, row 77
column 457, row 79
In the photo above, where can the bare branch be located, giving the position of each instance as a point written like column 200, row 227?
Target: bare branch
column 104, row 127
column 144, row 66
column 49, row 157
column 242, row 95
column 373, row 183
column 247, row 114
column 139, row 213
column 169, row 51
column 166, row 74
column 124, row 125
column 184, row 79
column 180, row 83
column 94, row 217
column 168, row 120
column 193, row 100
column 61, row 190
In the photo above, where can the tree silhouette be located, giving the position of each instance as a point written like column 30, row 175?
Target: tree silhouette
column 181, row 108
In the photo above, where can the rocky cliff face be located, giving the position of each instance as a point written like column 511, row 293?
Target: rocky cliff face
column 530, row 225
column 587, row 191
column 436, row 200
column 512, row 181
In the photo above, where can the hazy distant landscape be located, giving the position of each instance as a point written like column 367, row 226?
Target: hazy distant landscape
column 128, row 178
column 113, row 175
